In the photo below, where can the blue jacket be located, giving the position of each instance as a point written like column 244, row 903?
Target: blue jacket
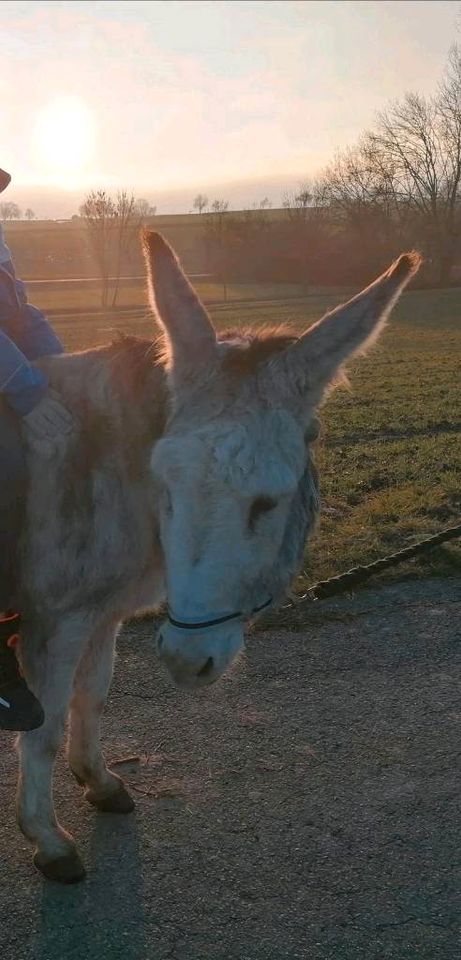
column 25, row 335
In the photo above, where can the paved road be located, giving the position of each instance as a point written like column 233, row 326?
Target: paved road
column 306, row 807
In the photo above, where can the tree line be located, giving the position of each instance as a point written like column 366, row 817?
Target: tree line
column 397, row 187
column 11, row 211
column 400, row 184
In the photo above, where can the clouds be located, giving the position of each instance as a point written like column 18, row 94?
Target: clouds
column 199, row 92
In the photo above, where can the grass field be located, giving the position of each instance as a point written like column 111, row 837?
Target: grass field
column 59, row 297
column 390, row 452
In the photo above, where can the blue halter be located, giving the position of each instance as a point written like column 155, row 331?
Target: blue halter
column 205, row 624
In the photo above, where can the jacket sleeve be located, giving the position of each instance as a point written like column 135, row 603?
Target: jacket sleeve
column 22, row 384
column 25, row 335
column 25, row 324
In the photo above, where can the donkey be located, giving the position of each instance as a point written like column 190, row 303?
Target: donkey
column 189, row 478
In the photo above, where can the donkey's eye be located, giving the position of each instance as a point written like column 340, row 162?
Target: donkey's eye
column 259, row 506
column 167, row 501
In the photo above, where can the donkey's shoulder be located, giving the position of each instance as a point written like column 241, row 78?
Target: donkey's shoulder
column 118, row 396
column 127, row 370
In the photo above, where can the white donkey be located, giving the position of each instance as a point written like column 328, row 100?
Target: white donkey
column 189, row 479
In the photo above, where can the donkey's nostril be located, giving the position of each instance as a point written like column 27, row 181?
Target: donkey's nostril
column 207, row 668
column 159, row 642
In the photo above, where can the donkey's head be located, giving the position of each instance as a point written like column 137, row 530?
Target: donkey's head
column 237, row 488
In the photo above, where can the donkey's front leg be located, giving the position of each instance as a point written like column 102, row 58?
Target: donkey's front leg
column 49, row 664
column 104, row 789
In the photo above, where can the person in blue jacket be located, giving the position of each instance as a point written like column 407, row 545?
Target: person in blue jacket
column 27, row 404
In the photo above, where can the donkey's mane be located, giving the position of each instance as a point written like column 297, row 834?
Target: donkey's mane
column 132, row 358
column 249, row 349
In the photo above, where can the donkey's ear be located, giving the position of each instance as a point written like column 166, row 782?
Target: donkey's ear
column 308, row 366
column 188, row 328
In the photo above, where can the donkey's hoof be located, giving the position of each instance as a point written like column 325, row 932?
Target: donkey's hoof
column 67, row 869
column 118, row 802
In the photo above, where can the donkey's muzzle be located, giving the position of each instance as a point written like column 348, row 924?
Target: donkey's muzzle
column 194, row 659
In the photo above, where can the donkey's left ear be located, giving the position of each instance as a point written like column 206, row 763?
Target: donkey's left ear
column 188, row 328
column 308, row 366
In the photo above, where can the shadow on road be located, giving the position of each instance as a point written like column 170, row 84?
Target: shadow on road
column 80, row 920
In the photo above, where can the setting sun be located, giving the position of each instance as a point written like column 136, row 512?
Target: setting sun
column 64, row 139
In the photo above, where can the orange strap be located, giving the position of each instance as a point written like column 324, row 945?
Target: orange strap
column 8, row 617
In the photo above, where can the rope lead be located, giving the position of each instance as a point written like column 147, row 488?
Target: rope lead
column 327, row 588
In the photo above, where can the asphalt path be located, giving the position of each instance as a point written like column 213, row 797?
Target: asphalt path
column 307, row 806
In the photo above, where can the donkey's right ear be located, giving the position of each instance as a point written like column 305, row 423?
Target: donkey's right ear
column 188, row 328
column 307, row 367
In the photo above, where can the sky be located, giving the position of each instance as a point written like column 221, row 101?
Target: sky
column 238, row 99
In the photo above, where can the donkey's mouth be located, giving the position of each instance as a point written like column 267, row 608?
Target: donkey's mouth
column 206, row 670
column 187, row 674
column 188, row 680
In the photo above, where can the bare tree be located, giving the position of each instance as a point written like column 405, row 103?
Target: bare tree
column 127, row 221
column 200, row 203
column 359, row 190
column 218, row 241
column 306, row 213
column 29, row 214
column 449, row 129
column 220, row 206
column 349, row 185
column 98, row 211
column 113, row 225
column 144, row 209
column 418, row 141
column 10, row 211
column 401, row 182
column 297, row 203
column 407, row 145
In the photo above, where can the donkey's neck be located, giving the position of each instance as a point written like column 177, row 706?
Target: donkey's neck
column 118, row 392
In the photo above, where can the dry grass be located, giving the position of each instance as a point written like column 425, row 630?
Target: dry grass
column 64, row 297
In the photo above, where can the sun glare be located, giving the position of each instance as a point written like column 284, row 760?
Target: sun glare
column 64, row 135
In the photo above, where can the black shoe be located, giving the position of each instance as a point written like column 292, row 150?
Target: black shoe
column 19, row 709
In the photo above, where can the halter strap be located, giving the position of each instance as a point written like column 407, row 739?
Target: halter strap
column 204, row 624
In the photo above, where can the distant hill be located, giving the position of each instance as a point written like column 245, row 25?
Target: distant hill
column 53, row 249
